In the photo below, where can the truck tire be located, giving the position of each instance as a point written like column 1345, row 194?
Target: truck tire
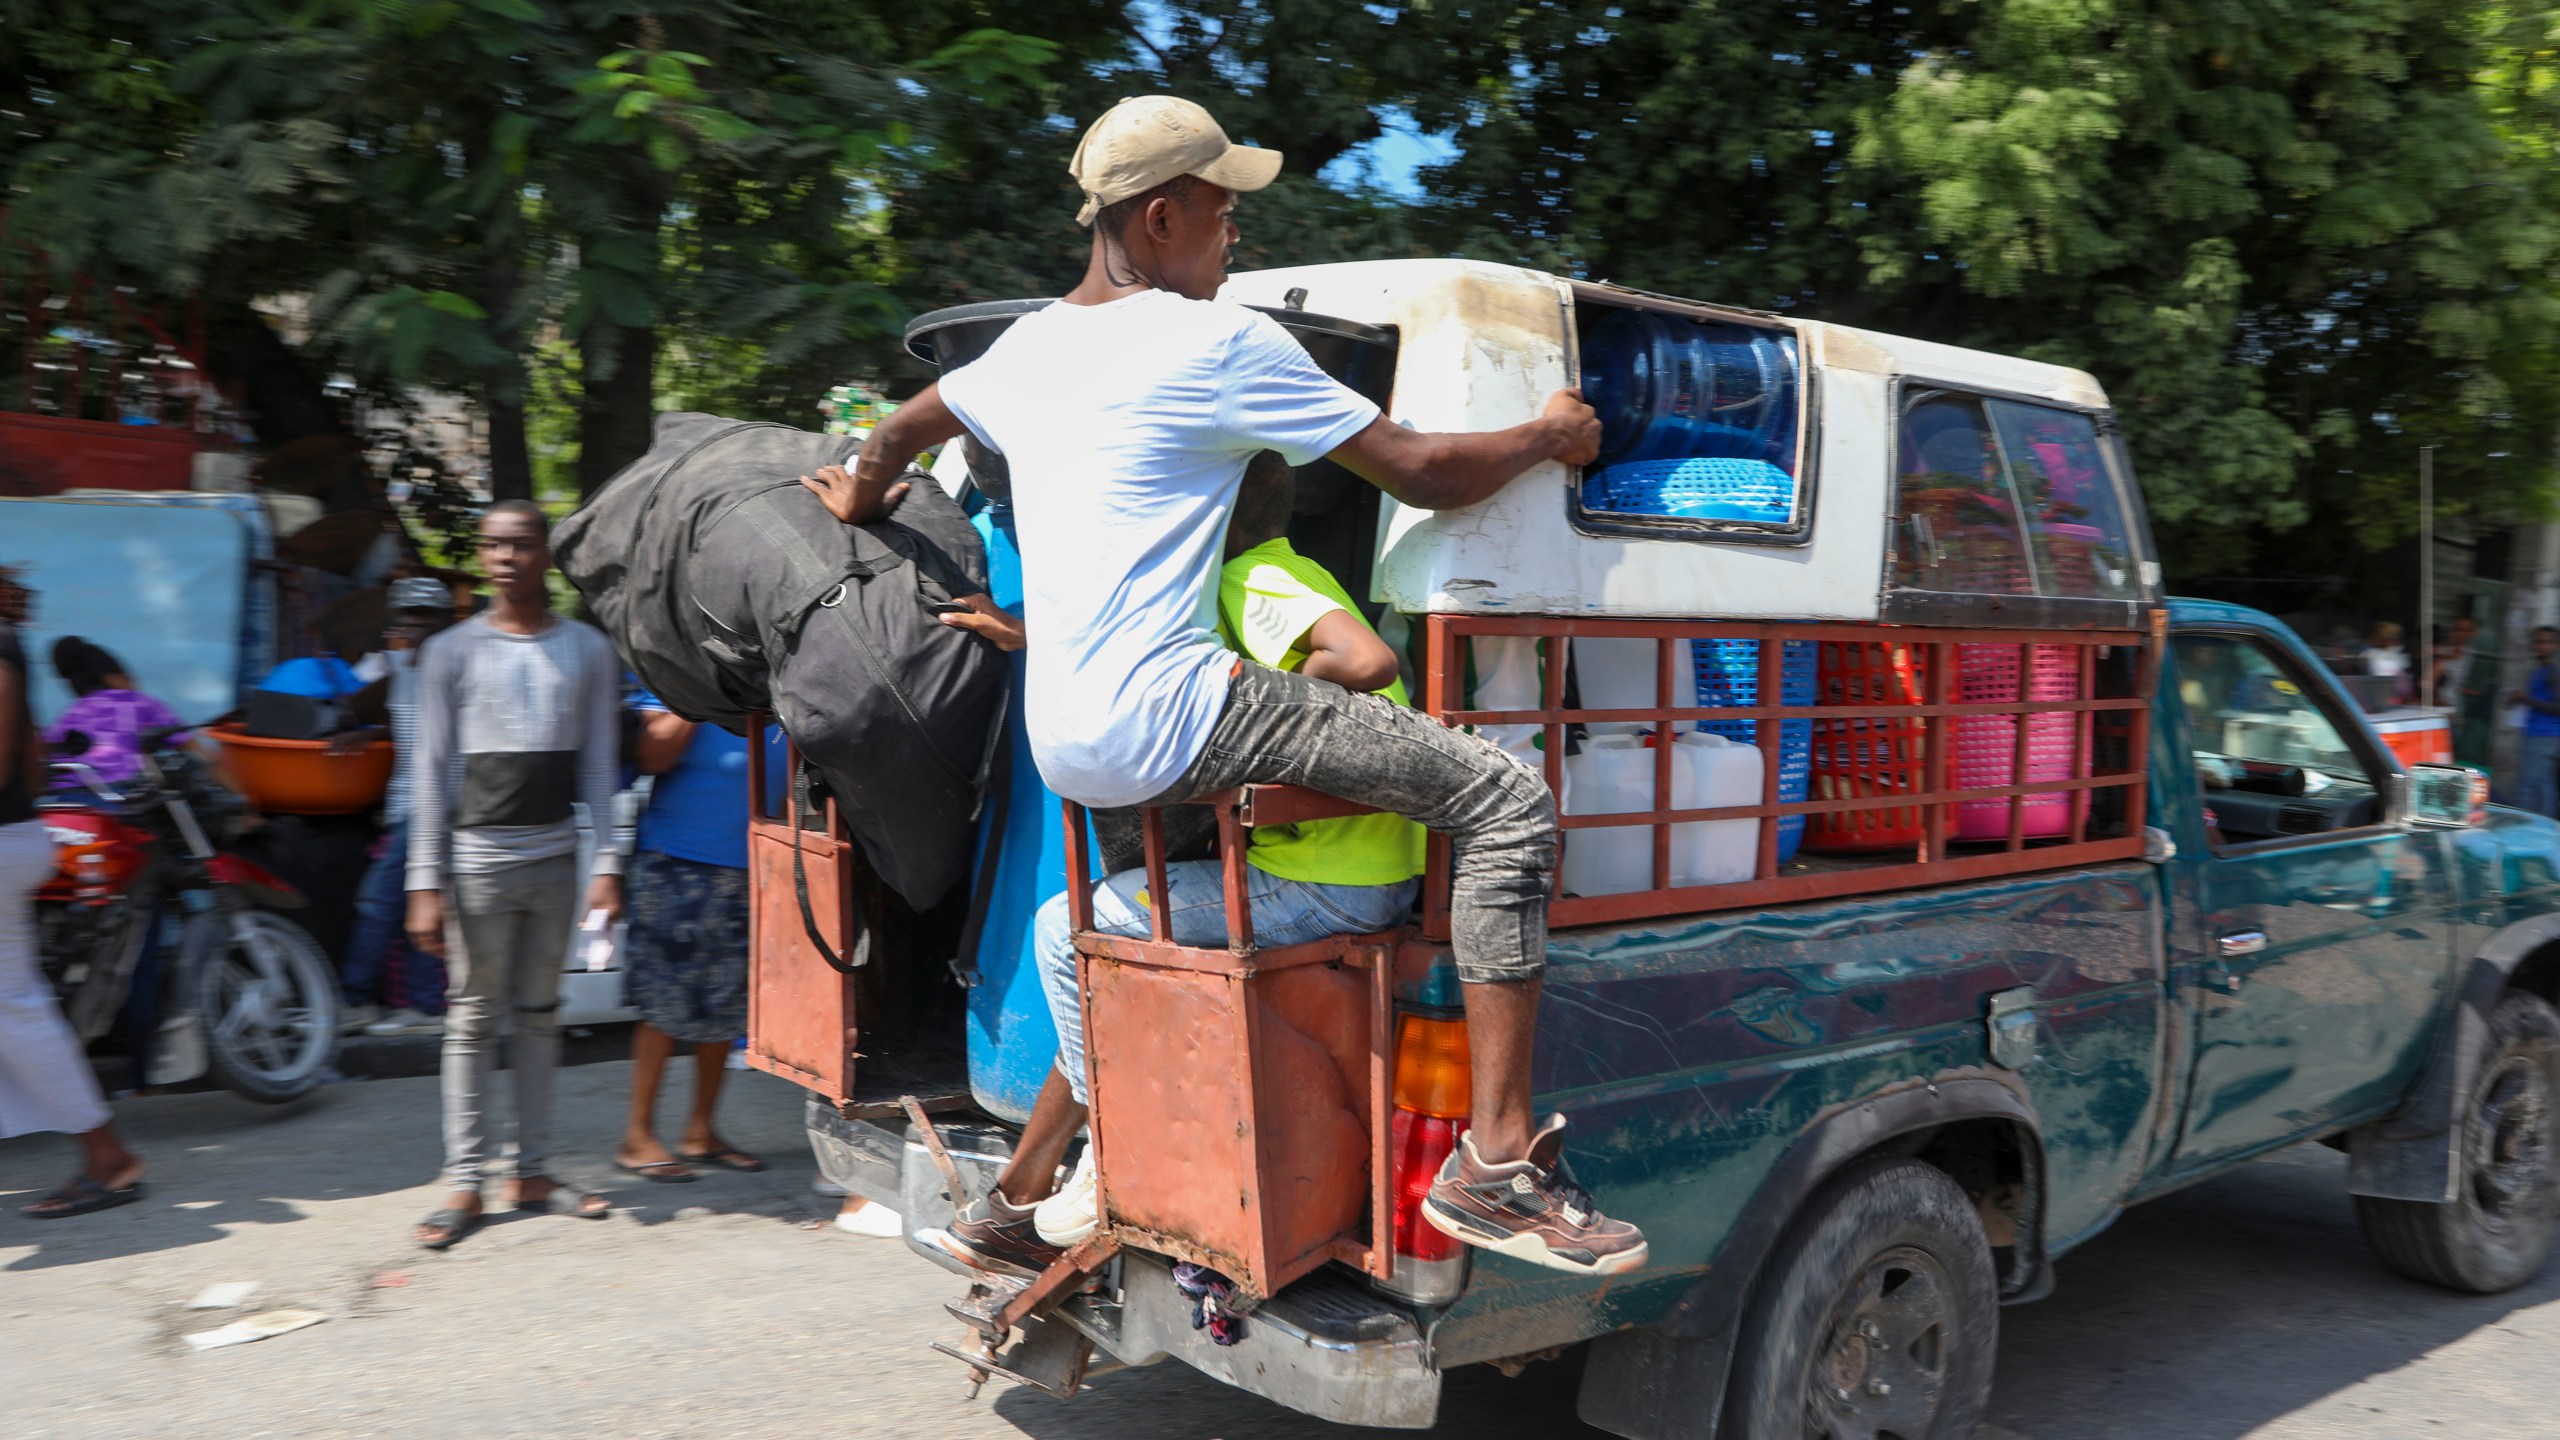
column 1877, row 1315
column 2496, row 1232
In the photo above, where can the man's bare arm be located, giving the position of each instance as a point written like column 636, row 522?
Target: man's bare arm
column 873, row 488
column 1446, row 471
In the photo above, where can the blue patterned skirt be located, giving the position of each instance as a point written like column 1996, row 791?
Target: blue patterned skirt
column 685, row 959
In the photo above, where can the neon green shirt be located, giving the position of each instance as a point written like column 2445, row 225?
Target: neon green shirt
column 1269, row 597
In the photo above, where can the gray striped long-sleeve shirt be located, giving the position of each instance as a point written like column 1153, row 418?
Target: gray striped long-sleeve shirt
column 536, row 723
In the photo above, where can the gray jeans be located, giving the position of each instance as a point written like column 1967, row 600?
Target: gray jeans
column 2538, row 774
column 506, row 933
column 1283, row 728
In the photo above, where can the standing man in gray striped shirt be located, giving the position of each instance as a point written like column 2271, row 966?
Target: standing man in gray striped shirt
column 531, row 703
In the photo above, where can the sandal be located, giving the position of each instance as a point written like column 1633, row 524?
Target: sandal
column 82, row 1194
column 675, row 1173
column 738, row 1160
column 454, row 1222
column 567, row 1200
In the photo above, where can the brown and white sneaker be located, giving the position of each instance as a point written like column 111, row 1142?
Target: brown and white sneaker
column 1530, row 1210
column 997, row 1236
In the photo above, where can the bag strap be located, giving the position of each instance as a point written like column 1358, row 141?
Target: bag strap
column 861, row 946
column 997, row 781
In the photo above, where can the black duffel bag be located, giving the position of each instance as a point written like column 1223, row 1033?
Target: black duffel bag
column 729, row 590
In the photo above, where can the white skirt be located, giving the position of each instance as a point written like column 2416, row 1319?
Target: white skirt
column 45, row 1079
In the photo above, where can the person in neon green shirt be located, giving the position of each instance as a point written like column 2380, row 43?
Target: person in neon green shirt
column 1288, row 612
column 1354, row 875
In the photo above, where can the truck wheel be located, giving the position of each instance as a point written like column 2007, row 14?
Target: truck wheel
column 2497, row 1231
column 1876, row 1317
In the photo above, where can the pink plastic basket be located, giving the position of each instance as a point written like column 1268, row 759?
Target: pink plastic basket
column 1986, row 745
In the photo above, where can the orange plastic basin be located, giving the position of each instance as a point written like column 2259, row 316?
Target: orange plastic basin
column 301, row 777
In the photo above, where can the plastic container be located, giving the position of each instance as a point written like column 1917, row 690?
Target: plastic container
column 1986, row 745
column 1612, row 776
column 1694, row 489
column 1867, row 757
column 1621, row 675
column 1728, row 673
column 1671, row 388
column 305, row 777
column 1714, row 771
column 1507, row 679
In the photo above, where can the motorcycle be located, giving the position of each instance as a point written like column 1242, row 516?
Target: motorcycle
column 248, row 993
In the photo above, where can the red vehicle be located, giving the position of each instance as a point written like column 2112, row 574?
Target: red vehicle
column 258, row 995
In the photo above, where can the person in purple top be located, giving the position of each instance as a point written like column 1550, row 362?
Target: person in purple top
column 112, row 713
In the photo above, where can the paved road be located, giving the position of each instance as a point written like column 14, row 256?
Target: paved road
column 2244, row 1307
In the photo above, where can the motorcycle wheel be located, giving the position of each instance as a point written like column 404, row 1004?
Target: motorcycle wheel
column 267, row 1000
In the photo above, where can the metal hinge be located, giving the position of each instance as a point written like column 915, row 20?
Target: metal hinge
column 2011, row 1028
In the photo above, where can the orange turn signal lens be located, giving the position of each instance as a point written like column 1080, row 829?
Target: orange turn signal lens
column 1431, row 1066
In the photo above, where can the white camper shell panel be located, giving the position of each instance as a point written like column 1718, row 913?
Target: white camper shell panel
column 1481, row 346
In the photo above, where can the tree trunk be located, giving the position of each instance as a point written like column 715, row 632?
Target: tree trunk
column 502, row 390
column 510, row 461
column 616, row 402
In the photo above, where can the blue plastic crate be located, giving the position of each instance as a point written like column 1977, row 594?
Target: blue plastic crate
column 1694, row 489
column 1729, row 674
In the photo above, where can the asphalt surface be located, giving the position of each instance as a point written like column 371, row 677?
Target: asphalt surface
column 2242, row 1307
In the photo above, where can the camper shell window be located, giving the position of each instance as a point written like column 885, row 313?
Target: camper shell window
column 1703, row 415
column 2002, row 497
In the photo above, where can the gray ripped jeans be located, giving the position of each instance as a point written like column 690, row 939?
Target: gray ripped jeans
column 506, row 932
column 1281, row 728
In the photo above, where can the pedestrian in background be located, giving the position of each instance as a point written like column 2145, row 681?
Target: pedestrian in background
column 519, row 718
column 685, row 958
column 2385, row 657
column 419, row 609
column 45, row 1079
column 2467, row 684
column 2538, row 756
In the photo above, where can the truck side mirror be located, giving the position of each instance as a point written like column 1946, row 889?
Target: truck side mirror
column 2443, row 797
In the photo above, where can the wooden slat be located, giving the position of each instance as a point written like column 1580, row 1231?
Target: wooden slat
column 1159, row 901
column 1791, row 712
column 1079, row 873
column 1578, row 627
column 1576, row 910
column 1769, row 684
column 1258, row 805
column 1232, row 841
column 1938, row 736
column 1883, row 801
column 2018, row 747
column 2083, row 757
column 1664, row 760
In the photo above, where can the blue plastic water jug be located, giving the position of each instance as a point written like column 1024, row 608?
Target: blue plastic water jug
column 1671, row 388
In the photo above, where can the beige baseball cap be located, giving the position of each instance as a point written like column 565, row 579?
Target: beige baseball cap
column 1146, row 140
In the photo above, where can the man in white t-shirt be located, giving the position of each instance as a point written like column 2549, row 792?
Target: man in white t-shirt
column 1127, row 412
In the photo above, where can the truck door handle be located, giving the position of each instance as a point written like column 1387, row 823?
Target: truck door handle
column 2242, row 942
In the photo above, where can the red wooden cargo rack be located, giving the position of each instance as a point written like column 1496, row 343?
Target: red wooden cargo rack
column 2110, row 741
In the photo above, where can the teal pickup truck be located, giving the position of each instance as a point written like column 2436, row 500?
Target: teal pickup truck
column 1854, row 1129
column 1855, row 1111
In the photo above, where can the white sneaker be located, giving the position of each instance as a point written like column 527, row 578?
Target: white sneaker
column 356, row 1017
column 873, row 1219
column 405, row 1021
column 1066, row 1218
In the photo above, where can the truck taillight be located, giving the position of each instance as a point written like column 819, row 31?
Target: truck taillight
column 1431, row 1091
column 1422, row 1143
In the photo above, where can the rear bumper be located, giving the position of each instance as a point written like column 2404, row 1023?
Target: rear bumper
column 1327, row 1346
column 1324, row 1347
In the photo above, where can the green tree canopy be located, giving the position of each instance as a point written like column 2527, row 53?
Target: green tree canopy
column 2296, row 240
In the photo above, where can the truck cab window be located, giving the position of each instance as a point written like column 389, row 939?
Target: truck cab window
column 2000, row 497
column 2270, row 758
